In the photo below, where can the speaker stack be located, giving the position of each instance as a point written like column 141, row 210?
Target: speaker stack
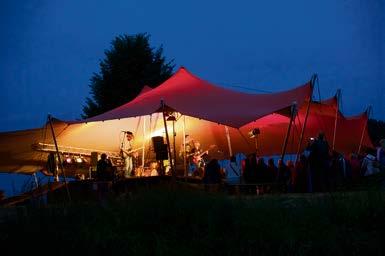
column 160, row 148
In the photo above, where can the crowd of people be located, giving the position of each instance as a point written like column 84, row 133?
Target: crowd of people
column 318, row 169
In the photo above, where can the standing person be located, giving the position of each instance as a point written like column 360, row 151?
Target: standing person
column 233, row 171
column 195, row 158
column 381, row 154
column 104, row 169
column 319, row 162
column 272, row 170
column 185, row 153
column 128, row 154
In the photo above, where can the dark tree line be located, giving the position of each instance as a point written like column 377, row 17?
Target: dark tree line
column 128, row 66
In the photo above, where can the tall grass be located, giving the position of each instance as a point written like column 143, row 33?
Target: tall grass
column 181, row 222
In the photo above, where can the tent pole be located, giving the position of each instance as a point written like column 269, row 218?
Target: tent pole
column 336, row 118
column 58, row 157
column 306, row 117
column 228, row 140
column 36, row 182
column 173, row 136
column 167, row 139
column 144, row 141
column 364, row 129
column 184, row 146
column 293, row 113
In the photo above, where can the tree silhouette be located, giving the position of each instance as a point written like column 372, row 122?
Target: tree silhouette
column 129, row 65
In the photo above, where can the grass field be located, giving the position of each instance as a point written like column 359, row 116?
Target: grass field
column 174, row 221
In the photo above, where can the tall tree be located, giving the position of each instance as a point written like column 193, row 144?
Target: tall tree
column 129, row 65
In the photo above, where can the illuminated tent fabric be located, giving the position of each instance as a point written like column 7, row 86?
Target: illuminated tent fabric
column 192, row 96
column 217, row 105
column 145, row 89
column 321, row 118
column 17, row 152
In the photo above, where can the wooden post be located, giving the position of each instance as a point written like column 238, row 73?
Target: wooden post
column 58, row 157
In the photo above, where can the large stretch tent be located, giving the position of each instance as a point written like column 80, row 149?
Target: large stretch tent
column 213, row 115
column 207, row 111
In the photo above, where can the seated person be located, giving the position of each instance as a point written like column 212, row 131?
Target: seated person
column 104, row 169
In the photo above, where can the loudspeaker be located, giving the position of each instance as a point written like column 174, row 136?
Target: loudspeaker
column 158, row 143
column 94, row 159
column 163, row 153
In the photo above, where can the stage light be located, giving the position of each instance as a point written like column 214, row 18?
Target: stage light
column 171, row 118
column 79, row 160
column 253, row 133
column 68, row 159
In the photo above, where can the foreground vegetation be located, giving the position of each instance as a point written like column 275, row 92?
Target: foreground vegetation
column 169, row 221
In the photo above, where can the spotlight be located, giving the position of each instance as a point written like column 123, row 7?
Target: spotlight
column 68, row 159
column 171, row 118
column 253, row 133
column 79, row 160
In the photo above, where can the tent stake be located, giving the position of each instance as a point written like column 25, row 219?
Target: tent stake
column 58, row 157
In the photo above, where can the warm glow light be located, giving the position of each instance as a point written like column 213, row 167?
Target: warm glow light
column 79, row 160
column 159, row 132
column 68, row 160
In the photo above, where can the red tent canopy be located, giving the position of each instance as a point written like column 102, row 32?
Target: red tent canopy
column 192, row 96
column 322, row 117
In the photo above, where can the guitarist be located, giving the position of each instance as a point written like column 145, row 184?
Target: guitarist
column 195, row 158
column 127, row 155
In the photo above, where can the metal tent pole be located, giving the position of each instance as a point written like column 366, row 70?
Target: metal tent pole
column 293, row 113
column 59, row 158
column 364, row 129
column 228, row 140
column 144, row 141
column 184, row 146
column 306, row 117
column 173, row 136
column 167, row 139
column 336, row 119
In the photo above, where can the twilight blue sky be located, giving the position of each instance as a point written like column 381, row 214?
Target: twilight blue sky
column 50, row 48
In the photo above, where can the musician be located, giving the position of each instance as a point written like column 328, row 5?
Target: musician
column 196, row 161
column 127, row 156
